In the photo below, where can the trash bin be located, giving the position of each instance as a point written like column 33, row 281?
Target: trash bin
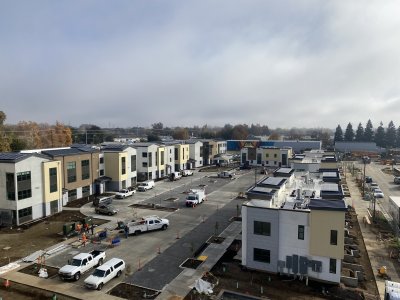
column 68, row 228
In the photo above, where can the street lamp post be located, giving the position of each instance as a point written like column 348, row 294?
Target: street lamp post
column 365, row 163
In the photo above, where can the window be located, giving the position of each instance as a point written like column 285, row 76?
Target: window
column 123, row 165
column 267, row 155
column 300, row 232
column 53, row 180
column 54, row 207
column 262, row 228
column 101, row 172
column 262, row 255
column 22, row 176
column 333, row 237
column 150, row 159
column 25, row 214
column 71, row 195
column 86, row 191
column 85, row 169
column 144, row 154
column 10, row 186
column 102, row 160
column 144, row 164
column 162, row 158
column 24, row 185
column 176, row 154
column 24, row 194
column 332, row 266
column 275, row 155
column 133, row 163
column 71, row 171
column 259, row 158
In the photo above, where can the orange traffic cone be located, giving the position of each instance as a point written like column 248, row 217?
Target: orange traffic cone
column 7, row 283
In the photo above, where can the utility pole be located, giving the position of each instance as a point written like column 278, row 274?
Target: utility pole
column 363, row 193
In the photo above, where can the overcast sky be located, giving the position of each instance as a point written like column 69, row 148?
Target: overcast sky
column 183, row 63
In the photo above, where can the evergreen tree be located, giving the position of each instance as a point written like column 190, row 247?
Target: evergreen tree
column 390, row 135
column 369, row 132
column 359, row 133
column 380, row 136
column 349, row 133
column 338, row 134
column 398, row 137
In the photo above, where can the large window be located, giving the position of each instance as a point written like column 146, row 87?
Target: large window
column 333, row 237
column 262, row 255
column 133, row 163
column 53, row 180
column 332, row 266
column 262, row 228
column 71, row 171
column 259, row 158
column 10, row 186
column 102, row 160
column 300, row 232
column 71, row 195
column 144, row 154
column 85, row 169
column 150, row 159
column 25, row 214
column 123, row 165
column 162, row 157
column 176, row 154
column 24, row 185
column 86, row 191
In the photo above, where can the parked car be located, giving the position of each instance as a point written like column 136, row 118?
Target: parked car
column 146, row 185
column 396, row 180
column 226, row 174
column 378, row 193
column 103, row 274
column 106, row 210
column 102, row 200
column 368, row 179
column 186, row 173
column 175, row 176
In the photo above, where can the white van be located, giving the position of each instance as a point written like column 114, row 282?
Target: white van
column 146, row 185
column 103, row 274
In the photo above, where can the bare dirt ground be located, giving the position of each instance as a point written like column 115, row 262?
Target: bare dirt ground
column 17, row 242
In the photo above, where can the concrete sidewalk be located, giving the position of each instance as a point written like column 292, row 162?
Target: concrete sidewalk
column 376, row 249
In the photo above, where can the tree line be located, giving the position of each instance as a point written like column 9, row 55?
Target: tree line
column 388, row 137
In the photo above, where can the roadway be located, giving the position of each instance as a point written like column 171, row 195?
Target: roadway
column 138, row 251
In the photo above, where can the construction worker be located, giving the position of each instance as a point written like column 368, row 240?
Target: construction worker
column 84, row 239
column 126, row 230
column 86, row 227
column 92, row 228
column 78, row 227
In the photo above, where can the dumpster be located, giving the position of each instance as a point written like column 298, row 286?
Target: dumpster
column 68, row 228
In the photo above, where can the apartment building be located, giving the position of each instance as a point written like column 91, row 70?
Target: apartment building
column 79, row 170
column 181, row 156
column 196, row 153
column 296, row 233
column 32, row 187
column 147, row 167
column 169, row 158
column 120, row 166
column 266, row 156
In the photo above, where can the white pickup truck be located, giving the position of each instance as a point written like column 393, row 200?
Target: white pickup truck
column 147, row 224
column 226, row 174
column 124, row 193
column 195, row 197
column 80, row 264
column 103, row 274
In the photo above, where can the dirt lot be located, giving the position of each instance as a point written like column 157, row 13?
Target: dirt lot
column 22, row 242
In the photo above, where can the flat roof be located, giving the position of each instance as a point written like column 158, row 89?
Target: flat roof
column 12, row 156
column 321, row 204
column 329, row 174
column 258, row 203
column 259, row 189
column 275, row 181
column 284, row 170
column 330, row 187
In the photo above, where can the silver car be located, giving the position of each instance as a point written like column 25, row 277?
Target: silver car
column 106, row 210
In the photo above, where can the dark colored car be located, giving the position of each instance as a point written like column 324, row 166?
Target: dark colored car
column 368, row 179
